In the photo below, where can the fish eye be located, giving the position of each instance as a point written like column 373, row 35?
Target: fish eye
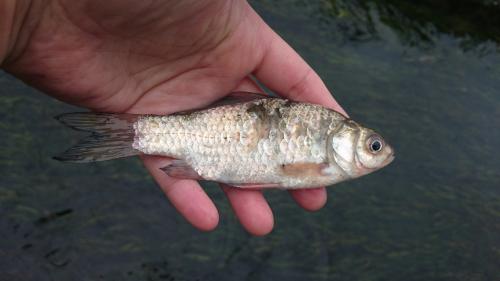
column 375, row 143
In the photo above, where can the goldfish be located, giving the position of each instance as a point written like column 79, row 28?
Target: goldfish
column 246, row 140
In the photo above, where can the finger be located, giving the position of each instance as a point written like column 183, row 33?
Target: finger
column 251, row 209
column 310, row 199
column 187, row 196
column 285, row 72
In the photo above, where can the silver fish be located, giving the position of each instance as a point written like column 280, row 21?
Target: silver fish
column 245, row 140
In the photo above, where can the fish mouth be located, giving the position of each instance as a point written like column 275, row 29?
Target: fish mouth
column 389, row 159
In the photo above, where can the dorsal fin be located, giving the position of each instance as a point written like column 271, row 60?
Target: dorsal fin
column 239, row 97
column 232, row 98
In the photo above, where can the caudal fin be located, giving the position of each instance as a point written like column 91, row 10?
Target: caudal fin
column 112, row 136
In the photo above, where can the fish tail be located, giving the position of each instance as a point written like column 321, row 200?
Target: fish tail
column 112, row 136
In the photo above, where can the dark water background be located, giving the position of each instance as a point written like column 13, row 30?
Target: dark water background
column 426, row 74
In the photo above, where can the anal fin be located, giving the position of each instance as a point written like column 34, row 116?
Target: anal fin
column 256, row 185
column 181, row 170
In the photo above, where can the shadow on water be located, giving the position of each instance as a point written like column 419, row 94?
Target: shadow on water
column 421, row 23
column 425, row 74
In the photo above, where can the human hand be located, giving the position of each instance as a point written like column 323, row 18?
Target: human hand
column 160, row 57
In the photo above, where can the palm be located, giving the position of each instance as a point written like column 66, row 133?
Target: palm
column 128, row 56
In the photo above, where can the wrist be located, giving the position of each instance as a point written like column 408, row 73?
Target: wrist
column 17, row 20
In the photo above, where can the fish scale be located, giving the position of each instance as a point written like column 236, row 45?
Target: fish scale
column 258, row 142
column 263, row 139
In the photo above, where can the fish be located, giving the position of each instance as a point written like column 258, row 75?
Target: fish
column 245, row 140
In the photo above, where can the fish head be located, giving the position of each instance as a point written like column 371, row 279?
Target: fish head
column 358, row 150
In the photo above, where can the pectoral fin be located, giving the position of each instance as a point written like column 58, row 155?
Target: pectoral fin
column 303, row 169
column 181, row 170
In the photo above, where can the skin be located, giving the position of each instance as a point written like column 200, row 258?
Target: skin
column 160, row 57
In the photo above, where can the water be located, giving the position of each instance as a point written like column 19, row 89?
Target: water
column 426, row 75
